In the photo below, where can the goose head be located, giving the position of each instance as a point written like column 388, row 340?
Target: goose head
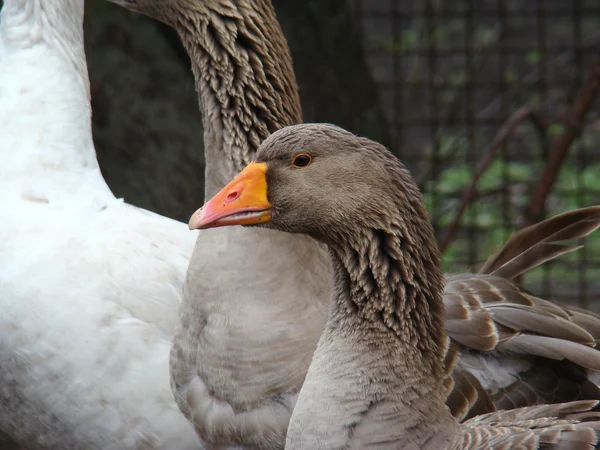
column 321, row 180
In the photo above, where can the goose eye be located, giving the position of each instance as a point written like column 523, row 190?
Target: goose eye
column 302, row 160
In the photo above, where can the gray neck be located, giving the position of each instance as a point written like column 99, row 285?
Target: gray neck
column 394, row 282
column 245, row 80
column 379, row 361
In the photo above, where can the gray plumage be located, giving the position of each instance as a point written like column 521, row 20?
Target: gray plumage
column 256, row 300
column 377, row 378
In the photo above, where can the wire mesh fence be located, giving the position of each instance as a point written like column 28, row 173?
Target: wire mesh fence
column 450, row 75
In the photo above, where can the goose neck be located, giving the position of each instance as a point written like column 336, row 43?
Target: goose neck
column 245, row 81
column 46, row 141
column 381, row 284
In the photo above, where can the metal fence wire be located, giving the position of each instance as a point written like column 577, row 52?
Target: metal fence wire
column 450, row 74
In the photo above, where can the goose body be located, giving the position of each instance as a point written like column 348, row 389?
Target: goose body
column 251, row 314
column 256, row 301
column 377, row 377
column 89, row 286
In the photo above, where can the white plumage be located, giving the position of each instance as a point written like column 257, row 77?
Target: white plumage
column 89, row 285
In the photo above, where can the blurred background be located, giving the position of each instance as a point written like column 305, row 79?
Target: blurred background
column 492, row 105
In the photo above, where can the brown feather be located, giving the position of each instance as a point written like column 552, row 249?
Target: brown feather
column 536, row 243
column 527, row 319
column 546, row 426
column 586, row 320
column 553, row 348
column 485, row 313
column 534, row 256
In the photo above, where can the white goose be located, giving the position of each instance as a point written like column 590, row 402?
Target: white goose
column 89, row 285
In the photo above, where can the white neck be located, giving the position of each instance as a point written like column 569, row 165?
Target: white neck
column 46, row 141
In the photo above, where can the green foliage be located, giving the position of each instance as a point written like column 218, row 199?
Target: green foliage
column 408, row 41
column 575, row 187
column 533, row 57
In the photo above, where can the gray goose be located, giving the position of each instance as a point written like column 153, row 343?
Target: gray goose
column 250, row 318
column 256, row 301
column 376, row 379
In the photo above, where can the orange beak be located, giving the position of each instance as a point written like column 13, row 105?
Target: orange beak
column 242, row 202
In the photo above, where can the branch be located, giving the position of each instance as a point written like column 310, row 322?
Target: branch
column 541, row 128
column 574, row 123
column 505, row 132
